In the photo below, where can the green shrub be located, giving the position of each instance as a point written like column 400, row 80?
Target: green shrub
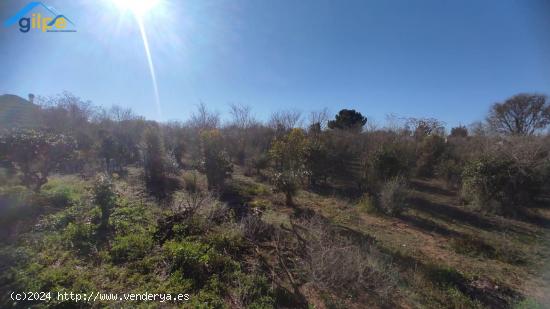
column 191, row 182
column 254, row 291
column 367, row 204
column 62, row 192
column 105, row 197
column 227, row 238
column 288, row 154
column 499, row 185
column 80, row 236
column 36, row 154
column 131, row 247
column 129, row 217
column 388, row 162
column 215, row 162
column 197, row 261
column 450, row 171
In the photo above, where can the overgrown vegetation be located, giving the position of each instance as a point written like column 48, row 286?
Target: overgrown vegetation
column 106, row 201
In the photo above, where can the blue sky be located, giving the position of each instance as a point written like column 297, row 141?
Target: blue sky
column 434, row 58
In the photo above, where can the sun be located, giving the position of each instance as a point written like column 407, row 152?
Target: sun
column 140, row 8
column 137, row 7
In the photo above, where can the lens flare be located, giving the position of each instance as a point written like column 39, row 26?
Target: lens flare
column 139, row 8
column 151, row 66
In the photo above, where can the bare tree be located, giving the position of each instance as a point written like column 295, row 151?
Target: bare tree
column 319, row 118
column 204, row 119
column 118, row 113
column 285, row 120
column 522, row 114
column 242, row 116
column 65, row 111
column 425, row 126
column 479, row 128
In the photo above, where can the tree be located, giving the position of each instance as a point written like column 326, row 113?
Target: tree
column 105, row 197
column 215, row 161
column 318, row 120
column 522, row 114
column 422, row 127
column 238, row 139
column 288, row 154
column 460, row 131
column 204, row 119
column 178, row 152
column 348, row 119
column 154, row 162
column 107, row 149
column 429, row 154
column 36, row 154
column 318, row 159
column 284, row 121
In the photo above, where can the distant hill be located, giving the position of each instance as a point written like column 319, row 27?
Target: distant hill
column 16, row 112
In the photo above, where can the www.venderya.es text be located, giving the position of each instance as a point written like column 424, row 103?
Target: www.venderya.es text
column 98, row 297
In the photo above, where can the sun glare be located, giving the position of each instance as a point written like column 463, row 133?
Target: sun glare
column 138, row 7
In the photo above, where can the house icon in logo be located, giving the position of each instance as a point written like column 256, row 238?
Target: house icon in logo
column 55, row 22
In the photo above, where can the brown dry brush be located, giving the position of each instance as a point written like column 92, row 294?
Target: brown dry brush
column 336, row 263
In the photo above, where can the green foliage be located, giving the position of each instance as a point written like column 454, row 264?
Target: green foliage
column 254, row 291
column 131, row 247
column 288, row 154
column 215, row 161
column 499, row 185
column 62, row 192
column 80, row 237
column 388, row 162
column 348, row 119
column 248, row 189
column 104, row 197
column 227, row 238
column 450, row 170
column 367, row 203
column 197, row 261
column 129, row 218
column 318, row 156
column 345, row 162
column 35, row 154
